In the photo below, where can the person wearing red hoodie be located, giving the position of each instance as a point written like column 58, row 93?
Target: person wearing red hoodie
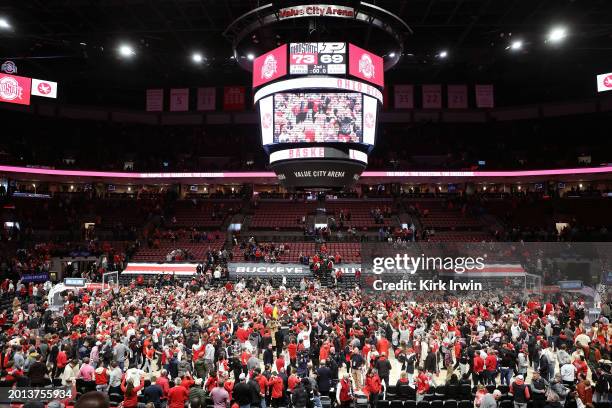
column 491, row 367
column 422, row 384
column 275, row 384
column 373, row 386
column 130, row 392
column 478, row 368
column 177, row 395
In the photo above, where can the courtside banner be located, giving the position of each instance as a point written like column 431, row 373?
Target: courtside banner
column 15, row 89
column 445, row 269
column 46, row 89
column 179, row 269
column 155, row 100
column 267, row 269
column 604, row 82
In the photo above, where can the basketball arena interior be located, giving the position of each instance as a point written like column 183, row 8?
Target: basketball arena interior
column 291, row 204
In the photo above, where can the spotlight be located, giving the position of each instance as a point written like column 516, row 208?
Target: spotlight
column 557, row 34
column 126, row 50
column 519, row 188
column 250, row 57
column 391, row 55
column 197, row 57
column 71, row 188
column 443, row 54
column 580, row 185
column 4, row 24
column 516, row 45
column 129, row 189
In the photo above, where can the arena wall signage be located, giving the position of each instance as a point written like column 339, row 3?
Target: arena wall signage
column 316, row 10
column 46, row 89
column 15, row 89
column 179, row 269
column 604, row 82
column 365, row 65
column 267, row 269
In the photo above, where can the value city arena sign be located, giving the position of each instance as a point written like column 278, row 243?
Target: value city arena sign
column 316, row 10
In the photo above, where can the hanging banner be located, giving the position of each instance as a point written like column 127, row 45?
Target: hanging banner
column 233, row 98
column 179, row 100
column 15, row 89
column 206, row 99
column 47, row 89
column 457, row 96
column 484, row 96
column 604, row 82
column 404, row 96
column 155, row 100
column 432, row 96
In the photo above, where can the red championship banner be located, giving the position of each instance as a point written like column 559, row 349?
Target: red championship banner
column 457, row 96
column 207, row 99
column 234, row 98
column 404, row 96
column 155, row 100
column 179, row 100
column 432, row 96
column 484, row 96
column 15, row 89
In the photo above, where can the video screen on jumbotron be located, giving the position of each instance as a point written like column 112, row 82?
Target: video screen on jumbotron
column 318, row 117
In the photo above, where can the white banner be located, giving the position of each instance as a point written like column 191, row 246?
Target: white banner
column 47, row 89
column 155, row 100
column 484, row 96
column 604, row 82
column 179, row 100
column 432, row 96
column 404, row 96
column 206, row 99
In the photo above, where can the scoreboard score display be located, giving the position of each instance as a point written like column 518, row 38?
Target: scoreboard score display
column 317, row 58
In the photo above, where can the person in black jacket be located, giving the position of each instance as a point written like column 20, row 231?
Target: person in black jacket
column 268, row 355
column 383, row 366
column 255, row 392
column 300, row 397
column 403, row 390
column 324, row 376
column 453, row 388
column 38, row 373
column 242, row 393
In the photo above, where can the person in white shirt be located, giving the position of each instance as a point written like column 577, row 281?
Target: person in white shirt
column 304, row 335
column 71, row 373
column 568, row 374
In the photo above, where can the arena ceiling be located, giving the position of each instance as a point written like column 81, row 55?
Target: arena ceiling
column 75, row 42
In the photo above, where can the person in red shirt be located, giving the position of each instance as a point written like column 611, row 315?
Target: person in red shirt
column 280, row 362
column 478, row 368
column 491, row 367
column 422, row 383
column 211, row 382
column 292, row 348
column 275, row 384
column 373, row 386
column 130, row 392
column 292, row 381
column 101, row 376
column 382, row 346
column 177, row 395
column 344, row 392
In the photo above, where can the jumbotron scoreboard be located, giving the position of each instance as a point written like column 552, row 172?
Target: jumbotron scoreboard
column 318, row 104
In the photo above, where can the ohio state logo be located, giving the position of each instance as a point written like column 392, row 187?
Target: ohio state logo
column 268, row 69
column 366, row 66
column 266, row 121
column 9, row 67
column 44, row 88
column 607, row 82
column 369, row 120
column 10, row 89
